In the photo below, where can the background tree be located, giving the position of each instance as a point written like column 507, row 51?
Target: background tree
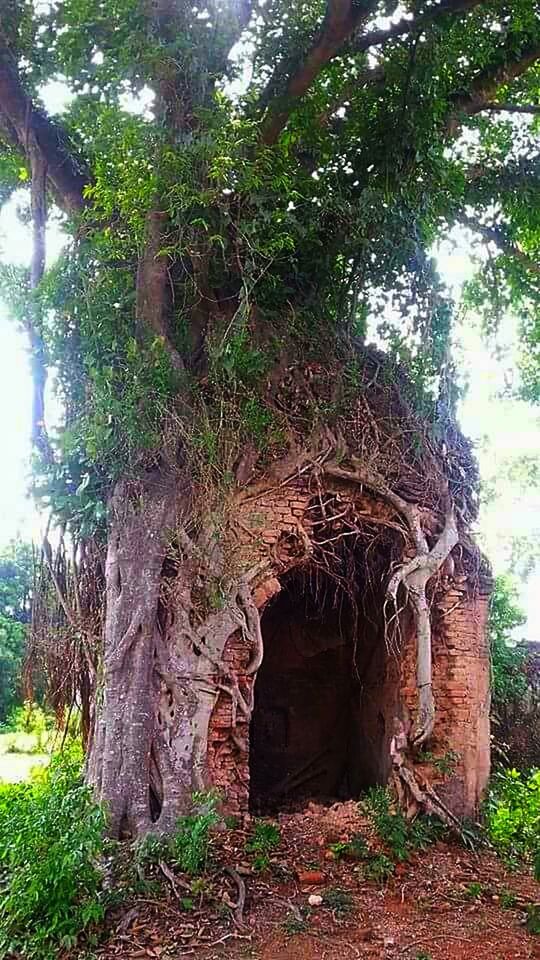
column 505, row 615
column 516, row 681
column 16, row 581
column 284, row 188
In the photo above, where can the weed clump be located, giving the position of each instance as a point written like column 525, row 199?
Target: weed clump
column 192, row 838
column 338, row 900
column 398, row 834
column 264, row 839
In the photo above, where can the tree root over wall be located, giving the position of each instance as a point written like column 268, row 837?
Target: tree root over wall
column 164, row 643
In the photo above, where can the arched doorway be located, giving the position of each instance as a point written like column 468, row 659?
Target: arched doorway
column 325, row 696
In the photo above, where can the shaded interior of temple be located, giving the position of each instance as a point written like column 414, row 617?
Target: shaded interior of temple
column 325, row 697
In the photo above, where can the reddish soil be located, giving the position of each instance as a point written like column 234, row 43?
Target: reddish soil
column 446, row 903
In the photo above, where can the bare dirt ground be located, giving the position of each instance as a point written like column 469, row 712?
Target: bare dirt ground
column 446, row 903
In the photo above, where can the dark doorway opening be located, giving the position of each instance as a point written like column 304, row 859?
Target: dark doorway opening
column 324, row 697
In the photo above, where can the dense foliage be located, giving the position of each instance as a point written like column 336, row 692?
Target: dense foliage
column 513, row 816
column 50, row 838
column 16, row 580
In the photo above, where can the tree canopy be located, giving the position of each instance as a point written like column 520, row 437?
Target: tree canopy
column 280, row 195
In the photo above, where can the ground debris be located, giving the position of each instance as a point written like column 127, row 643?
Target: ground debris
column 446, row 903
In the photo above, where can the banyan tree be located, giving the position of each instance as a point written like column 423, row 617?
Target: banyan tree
column 304, row 632
column 259, row 573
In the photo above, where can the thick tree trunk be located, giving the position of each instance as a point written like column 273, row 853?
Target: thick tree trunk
column 120, row 756
column 162, row 665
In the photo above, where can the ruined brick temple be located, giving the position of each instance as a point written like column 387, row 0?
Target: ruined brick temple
column 338, row 667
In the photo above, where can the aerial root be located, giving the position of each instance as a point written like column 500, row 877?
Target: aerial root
column 239, row 906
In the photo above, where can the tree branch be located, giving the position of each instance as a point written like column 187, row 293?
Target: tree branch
column 342, row 19
column 153, row 284
column 21, row 122
column 507, row 247
column 485, row 85
column 405, row 26
column 38, row 167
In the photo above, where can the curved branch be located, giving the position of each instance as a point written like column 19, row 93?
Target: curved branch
column 342, row 18
column 372, row 480
column 24, row 123
column 405, row 26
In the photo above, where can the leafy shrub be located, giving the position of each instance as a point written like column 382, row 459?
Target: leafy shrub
column 150, row 850
column 187, row 849
column 475, row 890
column 264, row 839
column 192, row 838
column 16, row 580
column 508, row 899
column 399, row 835
column 50, row 838
column 425, row 830
column 391, row 827
column 354, row 849
column 533, row 918
column 295, row 923
column 513, row 815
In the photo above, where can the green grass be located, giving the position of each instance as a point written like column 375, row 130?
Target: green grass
column 15, row 767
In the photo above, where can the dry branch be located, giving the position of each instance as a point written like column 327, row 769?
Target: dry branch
column 238, row 907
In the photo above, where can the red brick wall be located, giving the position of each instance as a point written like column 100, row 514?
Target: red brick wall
column 460, row 659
